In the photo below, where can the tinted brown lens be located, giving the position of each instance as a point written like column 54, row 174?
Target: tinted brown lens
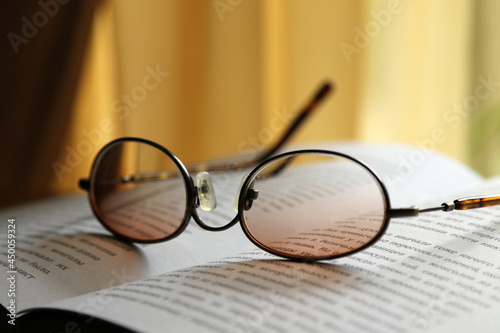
column 138, row 191
column 315, row 206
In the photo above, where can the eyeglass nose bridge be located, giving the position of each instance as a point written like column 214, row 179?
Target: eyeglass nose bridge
column 205, row 198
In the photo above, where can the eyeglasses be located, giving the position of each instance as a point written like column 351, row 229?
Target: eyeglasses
column 303, row 205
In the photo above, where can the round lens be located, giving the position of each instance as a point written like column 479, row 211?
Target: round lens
column 313, row 206
column 138, row 192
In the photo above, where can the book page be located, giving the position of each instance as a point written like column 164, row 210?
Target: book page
column 412, row 174
column 61, row 251
column 426, row 274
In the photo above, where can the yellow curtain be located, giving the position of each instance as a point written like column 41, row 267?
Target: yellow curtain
column 484, row 136
column 418, row 67
column 210, row 78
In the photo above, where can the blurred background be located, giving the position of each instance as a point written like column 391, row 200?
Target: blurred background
column 218, row 77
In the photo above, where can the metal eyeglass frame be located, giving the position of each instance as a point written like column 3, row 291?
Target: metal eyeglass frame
column 87, row 184
column 248, row 194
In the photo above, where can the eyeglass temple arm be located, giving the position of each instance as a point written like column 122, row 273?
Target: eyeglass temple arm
column 459, row 204
column 320, row 95
column 84, row 184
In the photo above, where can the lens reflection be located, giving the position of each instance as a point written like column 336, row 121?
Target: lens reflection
column 315, row 205
column 138, row 191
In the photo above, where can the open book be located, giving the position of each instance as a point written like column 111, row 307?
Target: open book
column 437, row 272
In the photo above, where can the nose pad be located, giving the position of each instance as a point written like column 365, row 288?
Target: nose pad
column 206, row 192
